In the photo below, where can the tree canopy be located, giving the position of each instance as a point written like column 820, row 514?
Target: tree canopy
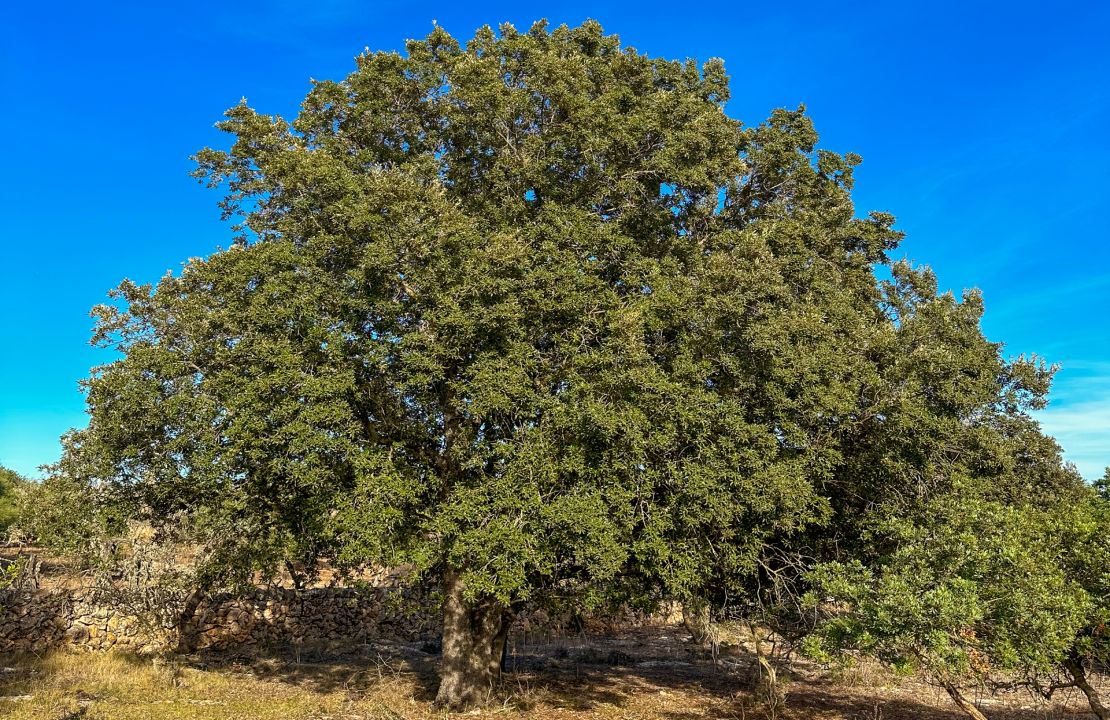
column 534, row 316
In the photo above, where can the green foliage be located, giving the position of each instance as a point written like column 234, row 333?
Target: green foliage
column 9, row 574
column 533, row 312
column 534, row 308
column 1085, row 555
column 12, row 484
column 958, row 532
column 976, row 588
column 70, row 517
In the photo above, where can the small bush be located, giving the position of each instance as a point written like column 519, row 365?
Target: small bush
column 11, row 487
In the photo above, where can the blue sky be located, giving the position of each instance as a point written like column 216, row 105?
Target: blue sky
column 982, row 126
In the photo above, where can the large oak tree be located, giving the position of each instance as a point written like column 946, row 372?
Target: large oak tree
column 531, row 315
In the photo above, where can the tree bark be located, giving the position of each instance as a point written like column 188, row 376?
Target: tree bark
column 697, row 621
column 186, row 628
column 474, row 636
column 294, row 575
column 962, row 702
column 1074, row 666
column 500, row 643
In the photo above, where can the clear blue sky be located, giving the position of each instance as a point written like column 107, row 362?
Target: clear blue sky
column 983, row 127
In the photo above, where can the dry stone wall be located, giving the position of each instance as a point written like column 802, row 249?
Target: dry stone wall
column 44, row 612
column 318, row 619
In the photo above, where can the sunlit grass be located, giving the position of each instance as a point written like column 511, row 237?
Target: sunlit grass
column 118, row 687
column 94, row 686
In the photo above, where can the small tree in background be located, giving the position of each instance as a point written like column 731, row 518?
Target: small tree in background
column 943, row 547
column 981, row 591
column 11, row 484
column 158, row 575
column 70, row 517
column 976, row 591
column 11, row 488
column 1085, row 556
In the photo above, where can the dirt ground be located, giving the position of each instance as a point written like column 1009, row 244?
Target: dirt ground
column 651, row 673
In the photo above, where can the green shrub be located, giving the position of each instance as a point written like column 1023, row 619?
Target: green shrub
column 12, row 485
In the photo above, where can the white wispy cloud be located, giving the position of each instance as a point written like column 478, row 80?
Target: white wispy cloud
column 1078, row 416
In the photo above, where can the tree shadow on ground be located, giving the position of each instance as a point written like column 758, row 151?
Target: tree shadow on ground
column 577, row 672
column 820, row 697
column 587, row 672
column 646, row 673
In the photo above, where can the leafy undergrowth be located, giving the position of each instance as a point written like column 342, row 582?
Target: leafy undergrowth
column 645, row 675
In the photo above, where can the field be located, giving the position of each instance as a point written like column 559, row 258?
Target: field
column 644, row 674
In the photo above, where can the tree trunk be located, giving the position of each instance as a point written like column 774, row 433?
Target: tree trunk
column 962, row 702
column 474, row 638
column 697, row 620
column 500, row 643
column 186, row 628
column 1074, row 666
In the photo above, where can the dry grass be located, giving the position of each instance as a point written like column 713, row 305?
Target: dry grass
column 118, row 687
column 68, row 686
column 657, row 677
